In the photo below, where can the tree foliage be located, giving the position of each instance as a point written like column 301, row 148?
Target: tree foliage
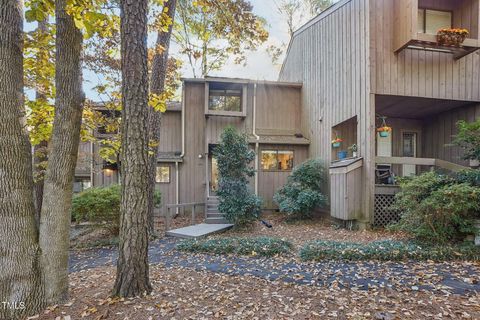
column 468, row 138
column 303, row 191
column 209, row 32
column 239, row 205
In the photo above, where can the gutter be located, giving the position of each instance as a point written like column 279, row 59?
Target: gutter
column 257, row 137
column 177, row 175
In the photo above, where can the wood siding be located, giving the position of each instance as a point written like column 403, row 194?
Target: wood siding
column 171, row 132
column 270, row 181
column 168, row 190
column 331, row 57
column 439, row 131
column 192, row 170
column 415, row 72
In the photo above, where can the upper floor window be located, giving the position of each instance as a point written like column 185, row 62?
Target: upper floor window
column 273, row 160
column 226, row 98
column 430, row 21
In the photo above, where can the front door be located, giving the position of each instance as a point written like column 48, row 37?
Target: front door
column 409, row 149
column 213, row 175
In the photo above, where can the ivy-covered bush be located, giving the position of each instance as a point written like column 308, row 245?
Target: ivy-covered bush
column 236, row 201
column 261, row 246
column 387, row 250
column 101, row 206
column 303, row 191
column 468, row 138
column 437, row 208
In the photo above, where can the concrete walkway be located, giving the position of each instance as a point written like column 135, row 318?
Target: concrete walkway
column 457, row 278
column 199, row 230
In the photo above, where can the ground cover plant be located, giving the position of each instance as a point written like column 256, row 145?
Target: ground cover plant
column 388, row 250
column 262, row 246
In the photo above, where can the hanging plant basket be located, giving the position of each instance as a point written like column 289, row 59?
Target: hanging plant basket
column 336, row 143
column 384, row 130
column 451, row 37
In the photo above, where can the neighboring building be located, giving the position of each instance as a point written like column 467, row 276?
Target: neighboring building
column 361, row 59
column 354, row 64
column 268, row 112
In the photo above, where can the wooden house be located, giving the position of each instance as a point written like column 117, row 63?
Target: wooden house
column 361, row 61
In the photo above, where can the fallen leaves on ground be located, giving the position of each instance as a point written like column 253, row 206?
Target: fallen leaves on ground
column 183, row 293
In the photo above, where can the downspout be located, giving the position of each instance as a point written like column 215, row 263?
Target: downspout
column 255, row 135
column 177, row 175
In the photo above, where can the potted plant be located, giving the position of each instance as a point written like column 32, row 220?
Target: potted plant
column 342, row 154
column 451, row 37
column 354, row 149
column 337, row 142
column 384, row 131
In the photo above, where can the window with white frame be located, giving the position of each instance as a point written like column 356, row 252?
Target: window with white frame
column 277, row 160
column 163, row 174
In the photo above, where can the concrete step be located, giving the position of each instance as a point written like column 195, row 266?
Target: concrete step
column 214, row 215
column 216, row 221
column 198, row 230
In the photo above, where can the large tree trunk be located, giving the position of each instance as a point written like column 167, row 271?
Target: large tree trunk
column 132, row 266
column 157, row 86
column 20, row 280
column 58, row 188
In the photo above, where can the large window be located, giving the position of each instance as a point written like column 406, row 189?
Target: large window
column 225, row 97
column 163, row 174
column 273, row 160
column 430, row 21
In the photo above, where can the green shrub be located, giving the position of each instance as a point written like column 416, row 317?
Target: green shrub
column 262, row 246
column 101, row 206
column 436, row 208
column 237, row 202
column 386, row 250
column 303, row 191
column 468, row 138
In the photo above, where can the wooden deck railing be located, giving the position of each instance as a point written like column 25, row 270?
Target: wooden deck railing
column 168, row 215
column 431, row 162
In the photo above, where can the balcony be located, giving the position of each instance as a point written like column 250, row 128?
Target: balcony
column 416, row 23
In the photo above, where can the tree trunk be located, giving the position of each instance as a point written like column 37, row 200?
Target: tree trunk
column 20, row 279
column 157, row 85
column 40, row 150
column 132, row 266
column 58, row 187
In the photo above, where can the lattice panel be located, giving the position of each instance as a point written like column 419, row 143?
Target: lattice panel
column 383, row 215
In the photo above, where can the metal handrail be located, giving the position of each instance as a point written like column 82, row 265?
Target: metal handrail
column 168, row 216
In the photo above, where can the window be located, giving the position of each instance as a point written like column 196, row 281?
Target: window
column 163, row 174
column 225, row 97
column 80, row 184
column 277, row 160
column 430, row 21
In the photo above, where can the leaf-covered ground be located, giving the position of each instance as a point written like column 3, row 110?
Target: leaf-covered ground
column 183, row 293
column 202, row 286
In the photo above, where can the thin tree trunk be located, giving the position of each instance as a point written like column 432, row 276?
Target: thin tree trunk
column 157, row 86
column 132, row 266
column 58, row 188
column 40, row 150
column 20, row 279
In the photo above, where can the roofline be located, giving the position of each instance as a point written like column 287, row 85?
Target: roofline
column 311, row 22
column 244, row 81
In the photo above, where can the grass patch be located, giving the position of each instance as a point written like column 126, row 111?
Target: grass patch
column 262, row 246
column 387, row 250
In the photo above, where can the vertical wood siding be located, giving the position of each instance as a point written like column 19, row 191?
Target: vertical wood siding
column 331, row 58
column 421, row 73
column 171, row 132
column 440, row 129
column 270, row 181
column 192, row 172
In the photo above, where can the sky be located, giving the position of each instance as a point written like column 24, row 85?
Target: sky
column 259, row 65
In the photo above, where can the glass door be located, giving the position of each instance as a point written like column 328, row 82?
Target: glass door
column 409, row 149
